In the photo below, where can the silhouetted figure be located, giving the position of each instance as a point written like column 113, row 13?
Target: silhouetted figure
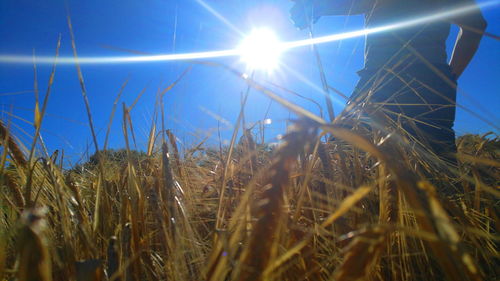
column 406, row 73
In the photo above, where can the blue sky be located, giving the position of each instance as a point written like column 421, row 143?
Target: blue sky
column 180, row 26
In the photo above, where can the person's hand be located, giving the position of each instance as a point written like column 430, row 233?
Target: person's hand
column 303, row 13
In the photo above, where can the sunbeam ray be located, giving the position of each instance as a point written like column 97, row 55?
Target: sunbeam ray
column 220, row 17
column 24, row 59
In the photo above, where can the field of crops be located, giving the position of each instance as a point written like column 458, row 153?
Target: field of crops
column 333, row 201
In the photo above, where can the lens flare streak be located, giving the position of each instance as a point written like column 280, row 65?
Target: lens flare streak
column 20, row 59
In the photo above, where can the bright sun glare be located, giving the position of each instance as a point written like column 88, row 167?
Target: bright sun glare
column 261, row 50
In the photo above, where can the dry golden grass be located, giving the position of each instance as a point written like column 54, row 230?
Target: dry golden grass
column 365, row 206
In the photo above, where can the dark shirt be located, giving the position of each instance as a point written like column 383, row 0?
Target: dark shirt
column 399, row 46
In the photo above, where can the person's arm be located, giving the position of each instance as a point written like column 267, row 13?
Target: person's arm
column 472, row 26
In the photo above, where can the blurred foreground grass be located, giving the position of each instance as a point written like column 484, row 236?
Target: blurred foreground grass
column 364, row 206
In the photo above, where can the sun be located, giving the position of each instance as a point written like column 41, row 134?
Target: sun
column 261, row 50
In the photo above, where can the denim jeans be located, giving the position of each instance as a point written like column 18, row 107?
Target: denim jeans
column 420, row 98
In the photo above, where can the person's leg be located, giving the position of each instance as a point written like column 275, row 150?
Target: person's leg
column 439, row 90
column 353, row 117
column 429, row 105
column 419, row 101
column 424, row 105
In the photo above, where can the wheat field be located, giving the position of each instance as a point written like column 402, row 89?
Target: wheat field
column 332, row 201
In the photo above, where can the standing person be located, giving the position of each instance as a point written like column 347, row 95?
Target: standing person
column 406, row 74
